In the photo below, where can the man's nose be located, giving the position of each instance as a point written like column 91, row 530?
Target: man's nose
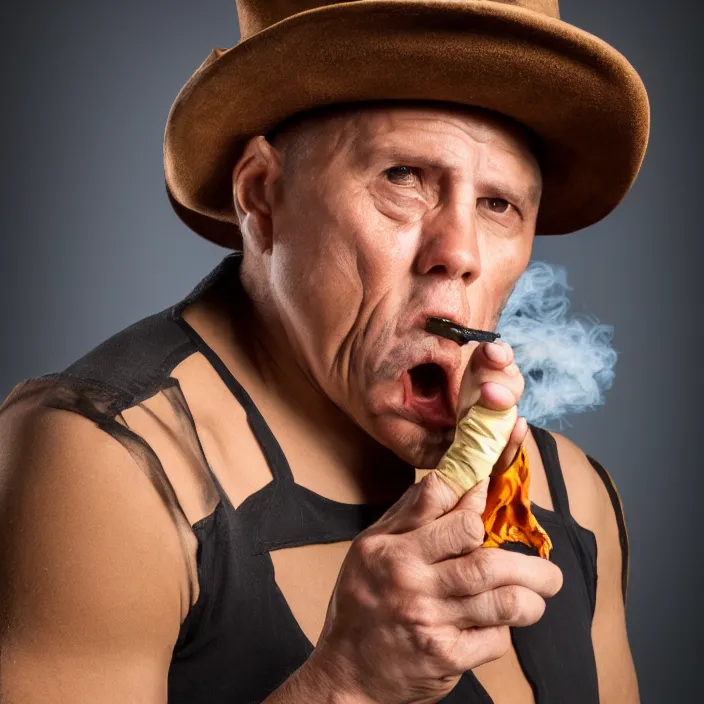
column 450, row 243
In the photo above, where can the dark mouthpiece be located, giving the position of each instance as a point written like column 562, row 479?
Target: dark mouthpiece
column 457, row 333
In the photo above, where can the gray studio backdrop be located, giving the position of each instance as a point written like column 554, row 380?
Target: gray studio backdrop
column 89, row 244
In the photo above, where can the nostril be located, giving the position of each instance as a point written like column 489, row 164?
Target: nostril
column 442, row 270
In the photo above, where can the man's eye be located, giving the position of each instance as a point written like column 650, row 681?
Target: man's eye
column 401, row 175
column 497, row 205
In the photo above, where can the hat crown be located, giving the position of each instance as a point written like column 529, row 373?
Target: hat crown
column 256, row 15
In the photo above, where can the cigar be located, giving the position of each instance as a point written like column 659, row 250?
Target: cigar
column 457, row 333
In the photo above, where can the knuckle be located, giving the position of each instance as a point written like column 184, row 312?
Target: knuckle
column 435, row 643
column 398, row 573
column 425, row 489
column 384, row 556
column 460, row 533
column 369, row 548
column 508, row 604
column 452, row 535
column 481, row 570
column 360, row 592
column 415, row 611
column 512, row 369
column 392, row 563
column 472, row 528
column 432, row 495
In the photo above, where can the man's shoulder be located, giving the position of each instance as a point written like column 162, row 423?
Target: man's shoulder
column 586, row 480
column 62, row 444
column 119, row 372
column 35, row 424
column 135, row 359
column 44, row 446
column 30, row 421
column 65, row 416
column 76, row 511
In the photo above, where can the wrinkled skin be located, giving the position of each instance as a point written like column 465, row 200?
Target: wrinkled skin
column 359, row 224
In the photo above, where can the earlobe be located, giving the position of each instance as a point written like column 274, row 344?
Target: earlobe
column 253, row 180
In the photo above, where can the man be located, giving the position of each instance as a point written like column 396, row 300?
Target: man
column 229, row 512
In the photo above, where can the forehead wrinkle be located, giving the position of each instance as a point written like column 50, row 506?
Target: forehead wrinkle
column 479, row 127
column 384, row 129
column 441, row 139
column 438, row 149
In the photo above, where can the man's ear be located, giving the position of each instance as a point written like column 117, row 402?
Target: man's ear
column 255, row 179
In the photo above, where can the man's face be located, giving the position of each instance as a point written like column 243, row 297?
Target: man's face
column 384, row 217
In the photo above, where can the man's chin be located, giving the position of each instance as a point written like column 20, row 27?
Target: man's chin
column 415, row 444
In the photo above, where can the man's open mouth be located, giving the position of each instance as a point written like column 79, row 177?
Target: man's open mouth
column 427, row 395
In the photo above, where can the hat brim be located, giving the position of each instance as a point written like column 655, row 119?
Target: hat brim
column 580, row 96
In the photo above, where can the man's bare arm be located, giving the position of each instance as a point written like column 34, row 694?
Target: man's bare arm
column 592, row 508
column 92, row 575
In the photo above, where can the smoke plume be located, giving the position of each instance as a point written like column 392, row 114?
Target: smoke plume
column 568, row 362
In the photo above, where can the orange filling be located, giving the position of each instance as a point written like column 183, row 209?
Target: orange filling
column 507, row 517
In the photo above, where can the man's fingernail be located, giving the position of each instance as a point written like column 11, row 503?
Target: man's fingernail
column 495, row 352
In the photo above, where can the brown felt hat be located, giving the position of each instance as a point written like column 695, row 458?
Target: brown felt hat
column 582, row 99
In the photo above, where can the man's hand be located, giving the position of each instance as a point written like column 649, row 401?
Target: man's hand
column 418, row 601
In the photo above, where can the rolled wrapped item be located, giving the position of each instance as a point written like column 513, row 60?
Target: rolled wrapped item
column 481, row 437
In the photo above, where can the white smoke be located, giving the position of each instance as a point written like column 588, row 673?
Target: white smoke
column 568, row 362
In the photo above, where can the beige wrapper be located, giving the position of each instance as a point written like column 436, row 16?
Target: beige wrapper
column 481, row 437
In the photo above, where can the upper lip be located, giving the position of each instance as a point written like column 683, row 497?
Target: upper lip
column 440, row 313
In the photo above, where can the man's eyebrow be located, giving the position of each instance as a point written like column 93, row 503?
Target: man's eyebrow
column 402, row 153
column 524, row 197
column 399, row 152
column 532, row 195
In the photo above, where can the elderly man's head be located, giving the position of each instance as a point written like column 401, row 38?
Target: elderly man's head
column 360, row 222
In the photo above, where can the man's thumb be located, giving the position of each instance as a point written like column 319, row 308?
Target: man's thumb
column 422, row 503
column 475, row 499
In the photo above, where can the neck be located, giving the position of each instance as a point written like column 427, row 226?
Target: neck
column 348, row 463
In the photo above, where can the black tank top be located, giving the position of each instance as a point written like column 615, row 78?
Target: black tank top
column 240, row 640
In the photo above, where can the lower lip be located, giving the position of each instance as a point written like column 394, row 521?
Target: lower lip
column 432, row 412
